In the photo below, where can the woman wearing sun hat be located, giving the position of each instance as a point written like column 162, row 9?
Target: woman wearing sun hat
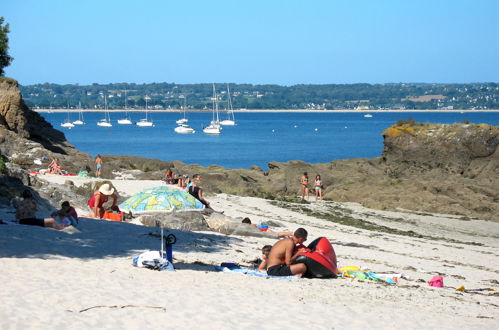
column 100, row 197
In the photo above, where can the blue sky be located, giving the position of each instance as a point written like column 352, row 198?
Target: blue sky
column 259, row 42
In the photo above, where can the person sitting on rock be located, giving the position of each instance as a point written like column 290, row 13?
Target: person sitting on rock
column 170, row 177
column 25, row 213
column 54, row 166
column 196, row 191
column 100, row 197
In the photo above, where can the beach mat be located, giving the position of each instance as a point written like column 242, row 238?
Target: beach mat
column 252, row 272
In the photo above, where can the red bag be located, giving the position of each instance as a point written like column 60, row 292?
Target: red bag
column 113, row 216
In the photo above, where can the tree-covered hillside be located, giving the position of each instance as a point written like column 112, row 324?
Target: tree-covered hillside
column 479, row 96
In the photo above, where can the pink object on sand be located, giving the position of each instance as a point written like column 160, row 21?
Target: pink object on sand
column 437, row 281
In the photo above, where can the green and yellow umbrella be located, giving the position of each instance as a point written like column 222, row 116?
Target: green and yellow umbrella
column 161, row 199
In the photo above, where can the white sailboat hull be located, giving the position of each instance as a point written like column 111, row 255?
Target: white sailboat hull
column 67, row 125
column 228, row 122
column 78, row 122
column 104, row 123
column 182, row 121
column 125, row 122
column 145, row 123
column 211, row 130
column 184, row 129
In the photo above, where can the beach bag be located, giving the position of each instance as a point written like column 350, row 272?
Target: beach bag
column 437, row 281
column 152, row 260
column 83, row 174
column 113, row 216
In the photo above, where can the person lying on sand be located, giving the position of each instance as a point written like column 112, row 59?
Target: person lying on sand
column 25, row 213
column 100, row 197
column 265, row 227
column 284, row 252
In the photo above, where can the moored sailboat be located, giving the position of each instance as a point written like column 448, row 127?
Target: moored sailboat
column 214, row 128
column 126, row 120
column 145, row 122
column 106, row 121
column 230, row 121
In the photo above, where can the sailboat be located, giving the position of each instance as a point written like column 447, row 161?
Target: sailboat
column 79, row 121
column 67, row 123
column 182, row 127
column 106, row 121
column 214, row 127
column 183, row 120
column 230, row 121
column 126, row 120
column 144, row 122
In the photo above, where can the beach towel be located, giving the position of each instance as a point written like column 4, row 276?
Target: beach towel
column 252, row 272
column 356, row 272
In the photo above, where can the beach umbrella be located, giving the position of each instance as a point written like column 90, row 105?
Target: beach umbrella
column 161, row 199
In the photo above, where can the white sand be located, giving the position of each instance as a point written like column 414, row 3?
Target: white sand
column 59, row 280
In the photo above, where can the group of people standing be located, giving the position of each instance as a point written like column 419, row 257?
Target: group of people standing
column 317, row 184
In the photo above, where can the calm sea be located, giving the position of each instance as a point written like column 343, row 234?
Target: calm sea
column 257, row 139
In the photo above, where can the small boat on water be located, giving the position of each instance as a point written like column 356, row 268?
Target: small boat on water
column 79, row 121
column 144, row 122
column 183, row 120
column 106, row 121
column 230, row 121
column 67, row 124
column 214, row 128
column 184, row 129
column 368, row 115
column 126, row 120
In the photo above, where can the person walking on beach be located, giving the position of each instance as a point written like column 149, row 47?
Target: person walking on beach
column 98, row 165
column 318, row 188
column 25, row 213
column 284, row 252
column 304, row 185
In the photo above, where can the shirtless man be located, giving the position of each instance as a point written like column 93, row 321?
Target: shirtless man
column 283, row 253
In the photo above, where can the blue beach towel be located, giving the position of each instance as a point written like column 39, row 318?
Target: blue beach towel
column 252, row 272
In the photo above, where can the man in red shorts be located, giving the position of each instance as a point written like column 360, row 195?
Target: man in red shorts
column 284, row 252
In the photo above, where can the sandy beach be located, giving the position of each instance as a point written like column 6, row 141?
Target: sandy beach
column 84, row 278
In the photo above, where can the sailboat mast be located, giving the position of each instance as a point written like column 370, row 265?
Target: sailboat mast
column 214, row 102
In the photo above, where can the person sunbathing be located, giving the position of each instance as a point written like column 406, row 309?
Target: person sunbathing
column 284, row 252
column 54, row 166
column 264, row 227
column 25, row 213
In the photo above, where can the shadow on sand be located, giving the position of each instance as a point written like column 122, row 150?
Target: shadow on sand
column 101, row 239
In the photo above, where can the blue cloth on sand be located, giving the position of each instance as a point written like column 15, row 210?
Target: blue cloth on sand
column 252, row 272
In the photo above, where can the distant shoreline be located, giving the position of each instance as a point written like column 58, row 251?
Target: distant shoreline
column 263, row 110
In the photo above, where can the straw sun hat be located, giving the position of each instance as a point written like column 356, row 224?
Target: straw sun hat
column 106, row 189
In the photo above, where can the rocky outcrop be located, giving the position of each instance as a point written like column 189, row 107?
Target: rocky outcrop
column 454, row 149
